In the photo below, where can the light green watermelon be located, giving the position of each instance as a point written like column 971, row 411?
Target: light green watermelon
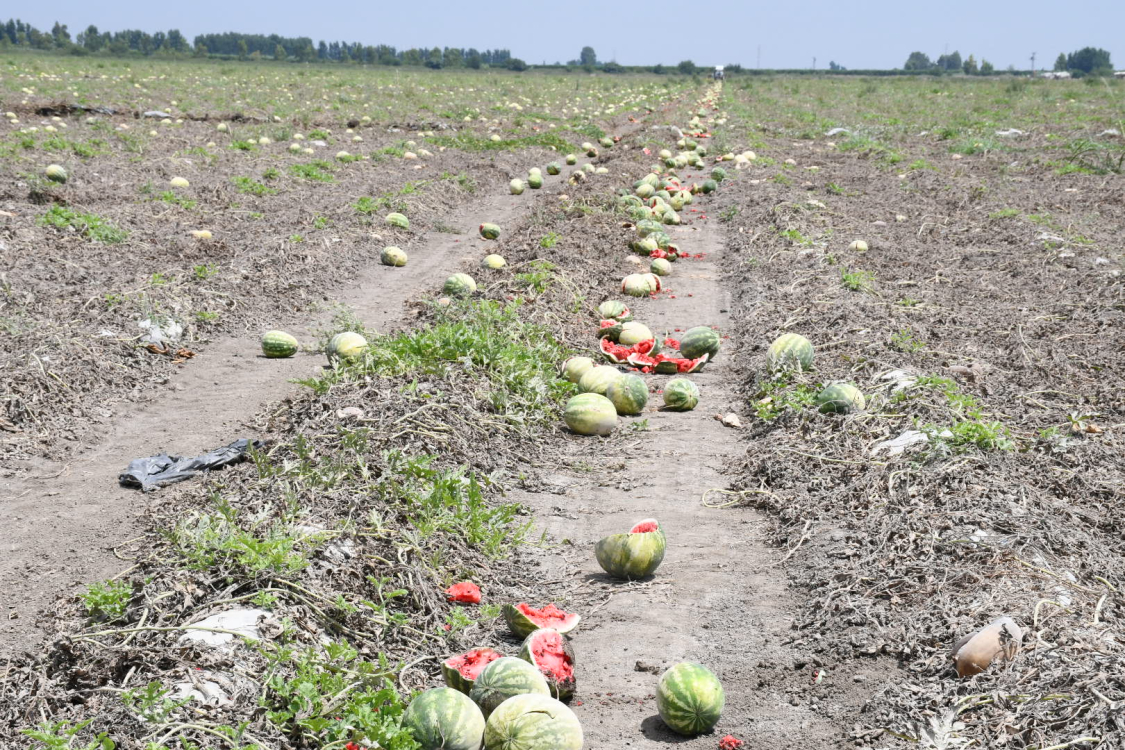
column 444, row 719
column 347, row 346
column 56, row 173
column 515, row 187
column 840, row 398
column 575, row 367
column 645, row 190
column 613, row 309
column 590, row 413
column 493, row 262
column 549, row 651
column 680, row 394
column 459, row 285
column 640, row 284
column 489, row 231
column 634, row 555
column 571, row 160
column 633, row 332
column 535, row 181
column 533, row 722
column 700, row 340
column 504, row 678
column 790, row 351
column 554, row 168
column 690, row 699
column 392, row 256
column 597, row 379
column 398, row 220
column 628, row 394
column 660, row 267
column 718, row 174
column 278, row 344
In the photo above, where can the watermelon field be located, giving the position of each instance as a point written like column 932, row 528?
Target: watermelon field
column 589, row 411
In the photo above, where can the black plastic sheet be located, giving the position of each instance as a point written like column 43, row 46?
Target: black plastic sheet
column 148, row 474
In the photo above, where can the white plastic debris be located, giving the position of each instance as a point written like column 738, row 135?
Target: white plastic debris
column 900, row 443
column 244, row 622
column 837, row 131
column 1010, row 133
column 160, row 332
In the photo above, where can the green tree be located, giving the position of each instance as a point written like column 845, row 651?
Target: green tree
column 306, row 54
column 473, row 60
column 279, row 53
column 986, row 68
column 411, row 57
column 970, row 66
column 687, row 67
column 588, row 57
column 951, row 62
column 918, row 61
column 434, row 59
column 243, row 50
column 1060, row 62
column 1089, row 60
column 452, row 58
column 516, row 64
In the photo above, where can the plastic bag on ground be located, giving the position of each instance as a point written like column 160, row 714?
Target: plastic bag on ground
column 153, row 472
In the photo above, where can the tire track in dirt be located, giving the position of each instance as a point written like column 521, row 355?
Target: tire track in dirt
column 721, row 597
column 58, row 529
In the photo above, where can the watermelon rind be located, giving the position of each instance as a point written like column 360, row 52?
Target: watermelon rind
column 628, row 394
column 690, row 699
column 504, row 678
column 444, row 719
column 613, row 309
column 840, row 398
column 630, row 556
column 452, row 674
column 278, row 344
column 522, row 626
column 533, row 722
column 700, row 340
column 680, row 394
column 561, row 688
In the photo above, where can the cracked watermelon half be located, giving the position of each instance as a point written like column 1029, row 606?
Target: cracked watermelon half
column 634, row 555
column 523, row 619
column 460, row 672
column 619, row 353
column 663, row 364
column 549, row 651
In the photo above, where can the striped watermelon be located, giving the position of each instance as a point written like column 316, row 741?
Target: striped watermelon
column 444, row 719
column 347, row 346
column 590, row 413
column 504, row 678
column 840, row 398
column 634, row 555
column 690, row 699
column 278, row 344
column 489, row 231
column 459, row 285
column 524, row 619
column 460, row 672
column 628, row 394
column 56, row 173
column 515, row 187
column 392, row 256
column 699, row 341
column 791, row 351
column 597, row 379
column 533, row 722
column 398, row 220
column 549, row 651
column 680, row 394
column 633, row 333
column 575, row 367
column 613, row 309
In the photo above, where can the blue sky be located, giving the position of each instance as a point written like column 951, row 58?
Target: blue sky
column 856, row 34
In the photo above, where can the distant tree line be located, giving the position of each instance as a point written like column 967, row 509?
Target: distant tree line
column 1086, row 61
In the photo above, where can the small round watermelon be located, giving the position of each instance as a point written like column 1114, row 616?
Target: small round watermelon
column 690, row 699
column 590, row 414
column 554, row 168
column 444, row 719
column 660, row 267
column 709, row 186
column 628, row 394
column 790, row 351
column 461, row 671
column 575, row 367
column 504, row 678
column 56, row 173
column 392, row 256
column 459, row 285
column 533, row 722
column 398, row 220
column 699, row 341
column 549, row 651
column 516, row 186
column 535, row 181
column 347, row 346
column 493, row 262
column 278, row 344
column 680, row 394
column 571, row 159
column 634, row 555
column 489, row 231
column 597, row 379
column 840, row 398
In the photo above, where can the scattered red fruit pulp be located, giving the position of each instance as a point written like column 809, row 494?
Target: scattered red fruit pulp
column 730, row 742
column 465, row 592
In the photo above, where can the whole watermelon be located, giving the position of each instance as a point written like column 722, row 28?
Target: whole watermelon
column 660, row 267
column 398, row 220
column 634, row 555
column 347, row 346
column 633, row 333
column 278, row 344
column 493, row 262
column 504, row 678
column 690, row 699
column 590, row 414
column 597, row 379
column 515, row 187
column 553, row 168
column 840, row 398
column 56, row 173
column 489, row 231
column 680, row 394
column 532, row 722
column 699, row 341
column 535, row 181
column 392, row 256
column 459, row 285
column 444, row 719
column 791, row 351
column 575, row 367
column 628, row 394
column 613, row 309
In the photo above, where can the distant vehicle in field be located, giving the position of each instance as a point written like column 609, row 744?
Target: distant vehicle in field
column 1059, row 74
column 718, row 74
column 1119, row 74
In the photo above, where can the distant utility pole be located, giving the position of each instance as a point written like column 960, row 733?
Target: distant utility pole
column 814, row 63
column 1033, row 64
column 759, row 63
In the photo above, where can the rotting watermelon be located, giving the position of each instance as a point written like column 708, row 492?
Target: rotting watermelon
column 460, row 672
column 663, row 364
column 614, row 310
column 633, row 333
column 609, row 329
column 549, row 651
column 523, row 619
column 619, row 353
column 634, row 555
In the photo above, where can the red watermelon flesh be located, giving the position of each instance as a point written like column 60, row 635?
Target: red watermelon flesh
column 619, row 354
column 672, row 343
column 552, row 655
column 549, row 616
column 644, row 527
column 470, row 663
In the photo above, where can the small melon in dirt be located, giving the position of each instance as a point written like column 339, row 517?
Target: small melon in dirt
column 790, row 351
column 840, row 398
column 633, row 333
column 858, row 246
column 660, row 267
column 524, row 619
column 549, row 651
column 628, row 394
column 571, row 160
column 516, row 186
column 634, row 555
column 444, row 719
column 398, row 220
column 201, row 234
column 278, row 344
column 597, row 380
column 680, row 394
column 613, row 309
column 575, row 367
column 690, row 699
column 460, row 672
column 179, row 182
column 459, row 285
column 495, row 138
column 590, row 414
column 56, row 173
column 637, row 285
column 535, row 181
column 700, row 340
column 392, row 256
column 489, row 231
column 493, row 262
column 347, row 346
column 533, row 722
column 554, row 168
column 505, row 678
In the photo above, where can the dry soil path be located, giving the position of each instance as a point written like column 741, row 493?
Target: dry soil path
column 720, row 598
column 58, row 529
